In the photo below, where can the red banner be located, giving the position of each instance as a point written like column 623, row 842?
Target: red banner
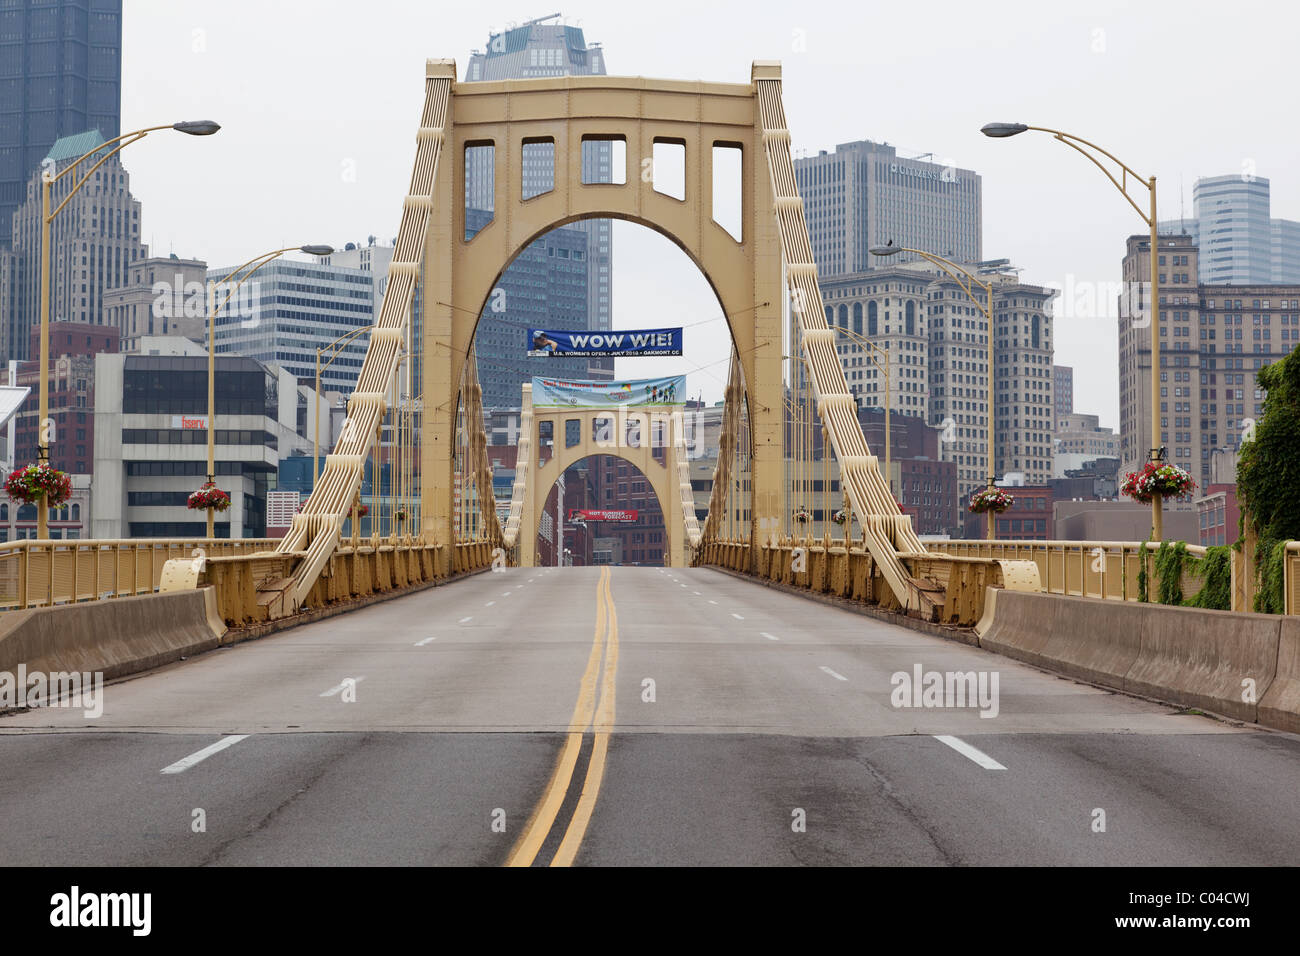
column 584, row 514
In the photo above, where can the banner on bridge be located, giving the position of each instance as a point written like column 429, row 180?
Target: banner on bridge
column 543, row 343
column 590, row 514
column 554, row 393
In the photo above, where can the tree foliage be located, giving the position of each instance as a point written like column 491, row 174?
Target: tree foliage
column 1268, row 476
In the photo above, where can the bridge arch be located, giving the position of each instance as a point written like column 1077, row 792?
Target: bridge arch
column 744, row 273
column 603, row 431
column 549, row 475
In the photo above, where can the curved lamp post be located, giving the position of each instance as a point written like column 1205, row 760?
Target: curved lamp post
column 48, row 179
column 967, row 282
column 247, row 270
column 1091, row 151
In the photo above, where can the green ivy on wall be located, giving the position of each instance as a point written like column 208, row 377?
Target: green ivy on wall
column 1268, row 476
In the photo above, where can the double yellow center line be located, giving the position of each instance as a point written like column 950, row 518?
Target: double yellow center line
column 540, row 824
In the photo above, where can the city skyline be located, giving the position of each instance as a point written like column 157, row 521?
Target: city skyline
column 341, row 161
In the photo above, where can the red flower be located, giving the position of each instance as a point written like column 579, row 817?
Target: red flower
column 1168, row 481
column 33, row 482
column 208, row 496
column 990, row 499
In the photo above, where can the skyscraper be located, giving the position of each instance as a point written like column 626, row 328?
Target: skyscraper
column 60, row 74
column 533, row 49
column 94, row 243
column 937, row 343
column 1064, row 390
column 864, row 194
column 1213, row 341
column 1237, row 240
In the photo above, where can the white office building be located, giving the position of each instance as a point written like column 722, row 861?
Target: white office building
column 289, row 309
column 151, row 439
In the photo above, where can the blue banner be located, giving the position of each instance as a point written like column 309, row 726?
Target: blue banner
column 543, row 343
column 553, row 393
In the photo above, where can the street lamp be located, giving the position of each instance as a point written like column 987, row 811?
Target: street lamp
column 867, row 343
column 252, row 265
column 48, row 178
column 1003, row 130
column 967, row 283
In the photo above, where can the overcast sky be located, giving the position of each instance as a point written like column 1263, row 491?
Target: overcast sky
column 320, row 102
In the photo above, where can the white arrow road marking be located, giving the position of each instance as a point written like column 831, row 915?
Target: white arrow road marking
column 966, row 750
column 199, row 756
column 334, row 690
column 833, row 673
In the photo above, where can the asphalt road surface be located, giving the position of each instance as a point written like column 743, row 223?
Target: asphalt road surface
column 631, row 716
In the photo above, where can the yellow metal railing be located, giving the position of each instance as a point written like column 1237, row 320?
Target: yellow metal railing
column 1099, row 569
column 1291, row 578
column 41, row 573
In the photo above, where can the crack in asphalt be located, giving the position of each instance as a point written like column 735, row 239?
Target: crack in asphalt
column 219, row 851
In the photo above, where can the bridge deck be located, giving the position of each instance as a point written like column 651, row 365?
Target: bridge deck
column 763, row 704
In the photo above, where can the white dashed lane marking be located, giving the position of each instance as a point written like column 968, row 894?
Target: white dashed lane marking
column 200, row 755
column 966, row 750
column 833, row 673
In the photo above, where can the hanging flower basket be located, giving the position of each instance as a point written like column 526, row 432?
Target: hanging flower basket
column 841, row 517
column 33, row 482
column 400, row 514
column 1168, row 481
column 990, row 499
column 363, row 510
column 208, row 496
column 802, row 516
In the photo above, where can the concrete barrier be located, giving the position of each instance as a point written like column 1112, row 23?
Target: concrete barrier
column 1222, row 661
column 1280, row 706
column 1096, row 640
column 117, row 637
column 1188, row 656
column 1022, row 625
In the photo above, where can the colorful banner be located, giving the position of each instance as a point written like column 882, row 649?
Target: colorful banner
column 543, row 343
column 585, row 514
column 553, row 393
